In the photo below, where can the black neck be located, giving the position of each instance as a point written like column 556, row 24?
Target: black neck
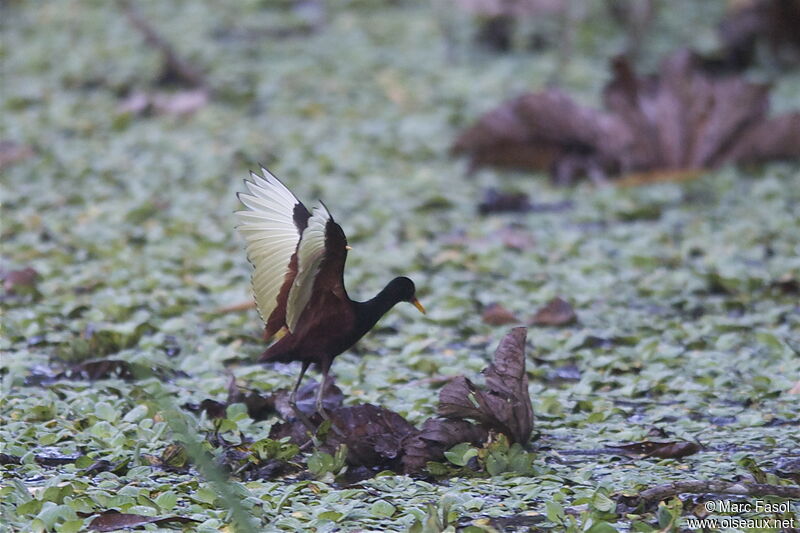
column 368, row 313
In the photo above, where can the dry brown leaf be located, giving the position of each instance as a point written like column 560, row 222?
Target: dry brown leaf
column 557, row 312
column 20, row 280
column 495, row 201
column 436, row 437
column 164, row 103
column 775, row 22
column 114, row 520
column 497, row 315
column 374, row 435
column 544, row 131
column 671, row 124
column 12, row 152
column 506, row 405
column 662, row 450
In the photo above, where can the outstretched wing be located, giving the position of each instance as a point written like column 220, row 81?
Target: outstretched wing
column 311, row 253
column 271, row 227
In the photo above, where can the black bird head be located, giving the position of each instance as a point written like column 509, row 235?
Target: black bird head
column 402, row 289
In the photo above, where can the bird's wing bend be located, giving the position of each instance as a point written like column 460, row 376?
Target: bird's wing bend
column 310, row 254
column 271, row 227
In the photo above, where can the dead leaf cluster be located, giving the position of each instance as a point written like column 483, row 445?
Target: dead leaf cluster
column 21, row 281
column 114, row 520
column 748, row 24
column 682, row 119
column 557, row 312
column 13, row 152
column 164, row 103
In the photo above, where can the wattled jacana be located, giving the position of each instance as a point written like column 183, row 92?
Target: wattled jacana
column 298, row 280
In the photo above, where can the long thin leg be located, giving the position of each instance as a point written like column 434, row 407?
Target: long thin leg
column 321, row 391
column 293, row 395
column 293, row 400
column 325, row 368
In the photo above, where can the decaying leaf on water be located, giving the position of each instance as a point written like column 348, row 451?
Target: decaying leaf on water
column 557, row 312
column 375, row 436
column 505, row 405
column 13, row 152
column 436, row 436
column 20, row 281
column 495, row 201
column 164, row 103
column 663, row 450
column 753, row 23
column 682, row 119
column 98, row 369
column 546, row 131
column 114, row 520
column 497, row 315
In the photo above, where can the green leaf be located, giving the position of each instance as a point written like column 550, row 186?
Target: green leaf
column 136, row 414
column 460, row 454
column 320, row 463
column 554, row 512
column 104, row 411
column 496, row 464
column 602, row 527
column 603, row 503
column 382, row 509
column 436, row 469
column 166, row 501
column 333, row 516
column 31, row 507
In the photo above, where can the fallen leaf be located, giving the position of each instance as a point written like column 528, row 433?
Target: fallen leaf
column 13, row 152
column 545, row 131
column 666, row 126
column 506, row 405
column 789, row 468
column 114, row 520
column 114, row 368
column 164, row 103
column 795, row 388
column 24, row 280
column 557, row 312
column 788, row 284
column 55, row 459
column 437, row 436
column 498, row 18
column 375, row 436
column 772, row 22
column 662, row 450
column 514, row 238
column 495, row 201
column 497, row 315
column 6, row 459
